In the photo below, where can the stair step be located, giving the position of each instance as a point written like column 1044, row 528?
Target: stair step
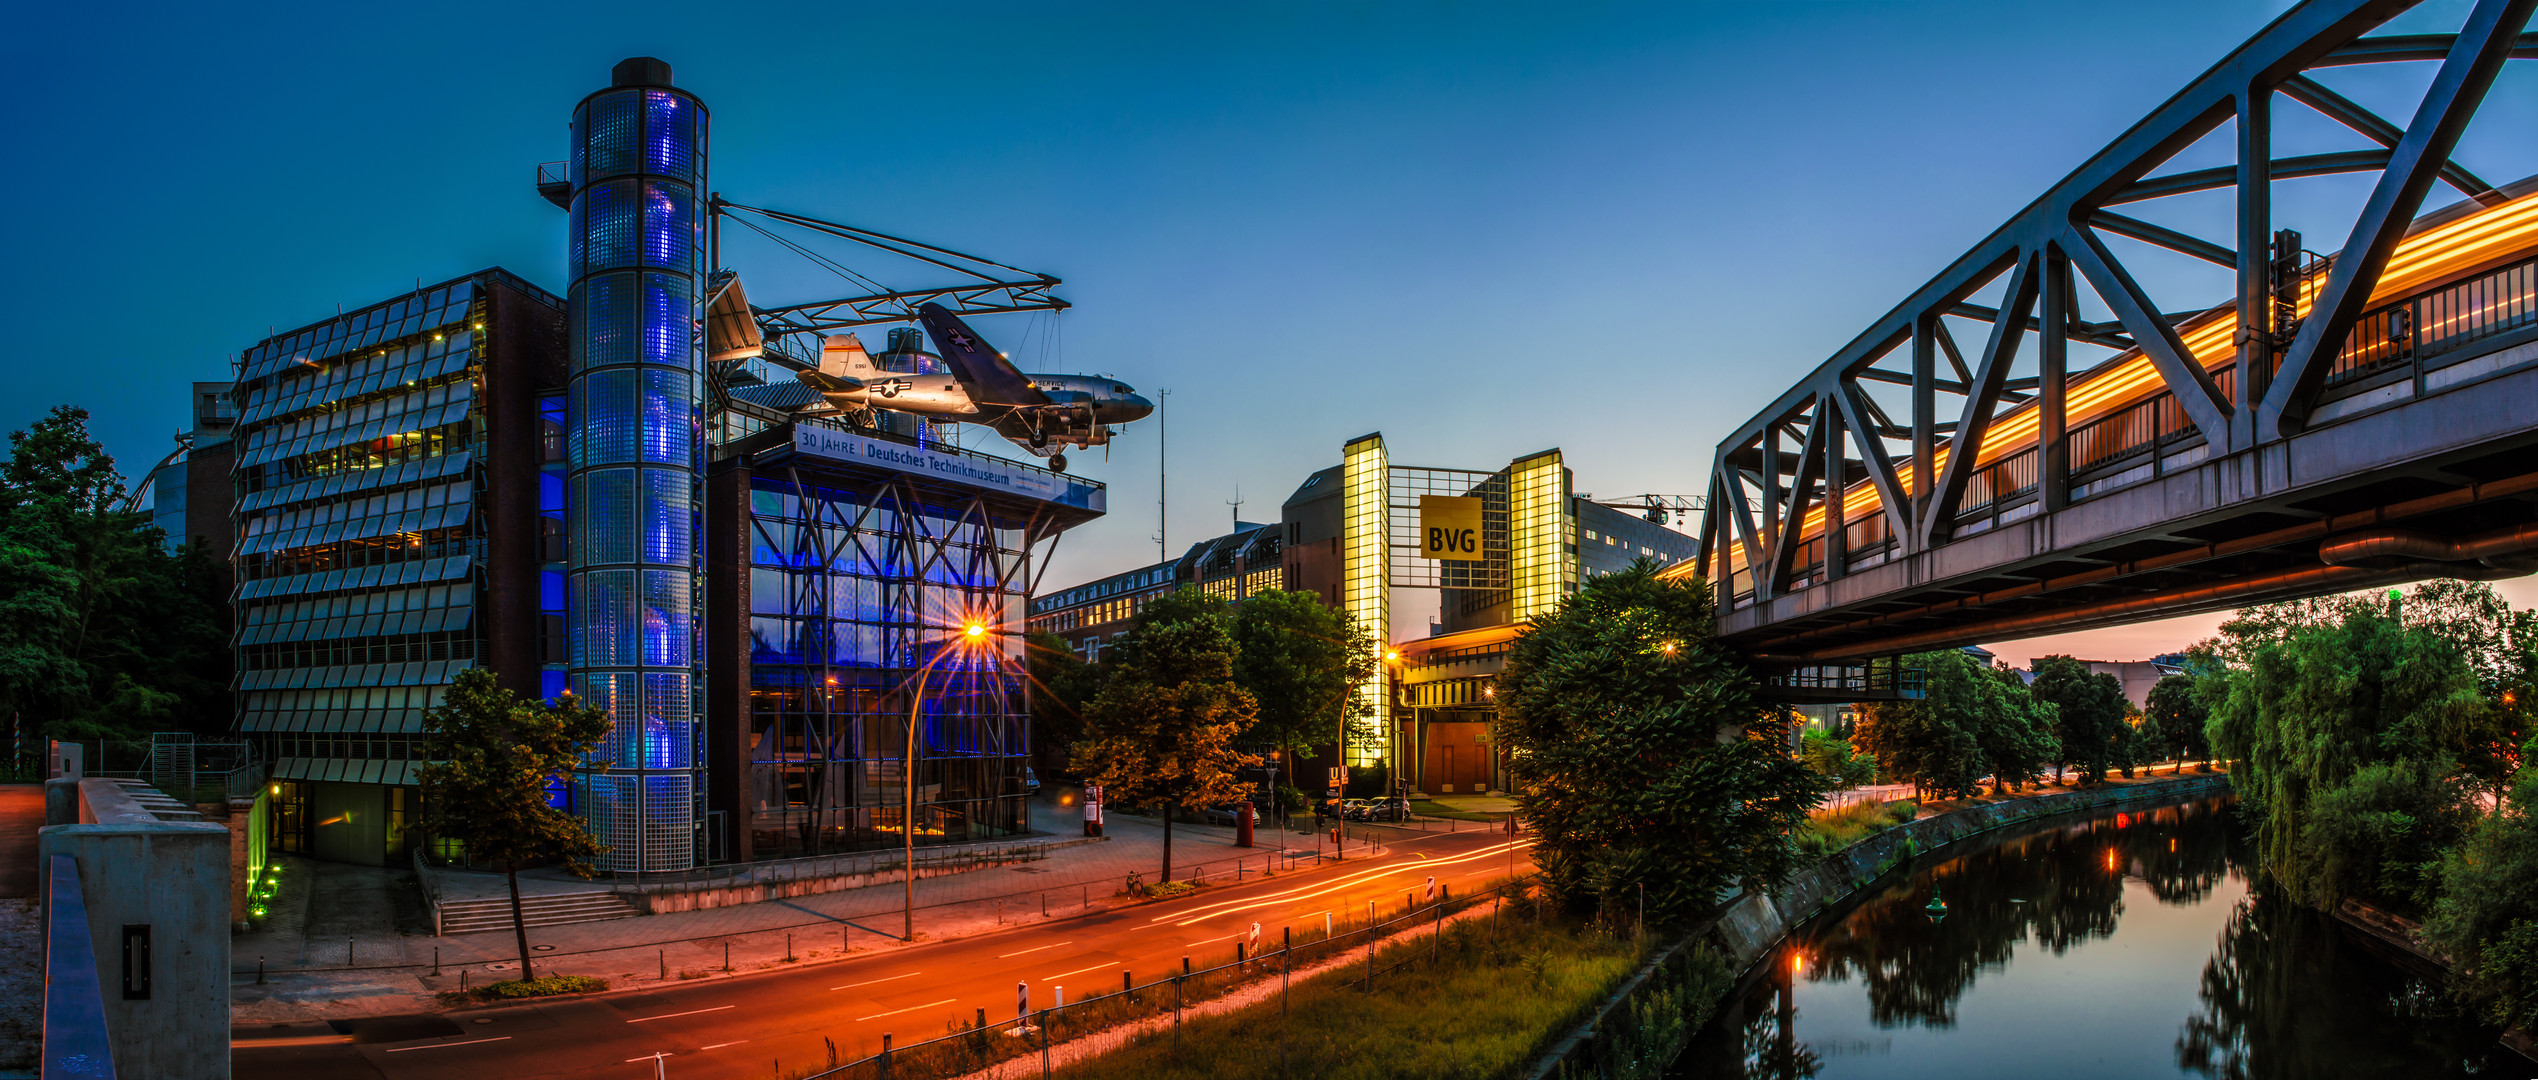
column 552, row 909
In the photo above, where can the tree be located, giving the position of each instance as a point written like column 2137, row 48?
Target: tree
column 2487, row 914
column 1626, row 728
column 1302, row 662
column 1164, row 727
column 1969, row 720
column 2350, row 739
column 103, row 633
column 1061, row 685
column 2089, row 713
column 1832, row 758
column 2176, row 716
column 489, row 759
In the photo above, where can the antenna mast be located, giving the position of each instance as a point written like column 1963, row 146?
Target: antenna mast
column 1162, row 458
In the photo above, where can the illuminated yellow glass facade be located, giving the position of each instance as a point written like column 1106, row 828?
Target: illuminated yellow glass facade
column 1541, row 569
column 1366, row 567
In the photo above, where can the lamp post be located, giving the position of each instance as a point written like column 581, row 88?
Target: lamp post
column 972, row 634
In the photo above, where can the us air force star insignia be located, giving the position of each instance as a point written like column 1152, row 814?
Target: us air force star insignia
column 962, row 340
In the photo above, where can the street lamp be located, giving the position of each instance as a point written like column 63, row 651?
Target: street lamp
column 974, row 633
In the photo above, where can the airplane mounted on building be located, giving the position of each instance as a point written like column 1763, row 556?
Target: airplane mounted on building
column 1044, row 414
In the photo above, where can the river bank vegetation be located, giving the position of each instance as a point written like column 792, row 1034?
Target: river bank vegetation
column 2382, row 743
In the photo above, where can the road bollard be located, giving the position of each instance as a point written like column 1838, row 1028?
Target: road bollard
column 1127, row 982
column 462, row 980
column 982, row 1018
column 348, row 952
column 1238, row 952
column 259, row 971
column 1044, row 905
column 727, row 956
column 885, row 1055
column 841, row 938
column 665, row 965
column 436, row 960
column 1185, row 965
column 788, row 948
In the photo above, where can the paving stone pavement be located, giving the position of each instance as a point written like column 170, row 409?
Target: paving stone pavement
column 328, row 914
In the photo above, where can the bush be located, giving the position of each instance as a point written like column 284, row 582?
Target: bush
column 511, row 989
column 1828, row 831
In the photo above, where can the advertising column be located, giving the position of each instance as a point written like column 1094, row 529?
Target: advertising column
column 635, row 455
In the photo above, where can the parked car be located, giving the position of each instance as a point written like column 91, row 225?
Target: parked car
column 1354, row 809
column 1228, row 814
column 1392, row 809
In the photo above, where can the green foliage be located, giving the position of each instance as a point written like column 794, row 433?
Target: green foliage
column 1832, row 758
column 2350, row 737
column 1971, row 720
column 514, row 989
column 2088, row 714
column 1301, row 660
column 1626, row 730
column 1468, row 1012
column 489, row 756
column 103, row 633
column 2487, row 914
column 1163, row 729
column 1828, row 831
column 1061, row 685
column 2176, row 715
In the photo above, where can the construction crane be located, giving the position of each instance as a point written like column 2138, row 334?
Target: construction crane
column 1659, row 509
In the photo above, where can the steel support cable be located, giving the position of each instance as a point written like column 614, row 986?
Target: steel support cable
column 885, row 241
column 817, row 259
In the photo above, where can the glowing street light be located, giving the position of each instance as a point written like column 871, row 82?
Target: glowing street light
column 972, row 634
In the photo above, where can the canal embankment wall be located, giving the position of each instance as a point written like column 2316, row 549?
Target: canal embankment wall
column 1751, row 925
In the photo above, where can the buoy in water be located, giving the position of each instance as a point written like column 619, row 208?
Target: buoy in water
column 1936, row 908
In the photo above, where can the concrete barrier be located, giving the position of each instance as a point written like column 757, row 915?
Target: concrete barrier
column 156, row 890
column 77, row 1042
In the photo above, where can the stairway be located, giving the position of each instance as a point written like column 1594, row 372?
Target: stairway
column 551, row 909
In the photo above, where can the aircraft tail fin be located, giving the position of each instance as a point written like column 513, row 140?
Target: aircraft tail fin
column 843, row 356
column 988, row 376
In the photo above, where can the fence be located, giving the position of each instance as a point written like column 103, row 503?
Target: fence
column 983, row 1043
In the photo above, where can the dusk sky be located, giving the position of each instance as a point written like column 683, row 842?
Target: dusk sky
column 1482, row 229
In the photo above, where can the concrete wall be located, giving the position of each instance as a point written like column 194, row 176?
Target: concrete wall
column 173, row 876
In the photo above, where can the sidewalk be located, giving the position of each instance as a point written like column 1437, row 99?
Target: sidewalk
column 374, row 918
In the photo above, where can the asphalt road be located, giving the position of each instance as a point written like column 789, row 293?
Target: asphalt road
column 747, row 1025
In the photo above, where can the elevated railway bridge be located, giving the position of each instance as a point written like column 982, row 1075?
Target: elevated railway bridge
column 2344, row 420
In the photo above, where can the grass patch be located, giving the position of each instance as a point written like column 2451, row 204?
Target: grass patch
column 1481, row 1002
column 1828, row 831
column 512, row 989
column 1424, row 808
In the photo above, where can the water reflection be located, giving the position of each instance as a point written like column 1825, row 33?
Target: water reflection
column 2284, row 974
column 2087, row 949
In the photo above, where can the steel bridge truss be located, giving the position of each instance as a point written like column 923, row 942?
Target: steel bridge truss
column 1792, row 464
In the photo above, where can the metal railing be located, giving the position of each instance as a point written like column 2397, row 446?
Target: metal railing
column 809, row 867
column 2439, row 321
column 982, row 1043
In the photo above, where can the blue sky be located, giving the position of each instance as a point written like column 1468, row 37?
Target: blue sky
column 1483, row 229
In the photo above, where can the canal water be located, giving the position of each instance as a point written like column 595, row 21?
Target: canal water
column 2118, row 945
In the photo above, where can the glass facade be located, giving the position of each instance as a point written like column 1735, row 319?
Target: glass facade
column 1542, row 563
column 861, row 593
column 634, row 450
column 1366, row 568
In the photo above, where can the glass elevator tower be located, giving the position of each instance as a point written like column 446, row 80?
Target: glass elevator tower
column 635, row 451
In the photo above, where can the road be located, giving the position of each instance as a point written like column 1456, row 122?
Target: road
column 744, row 1026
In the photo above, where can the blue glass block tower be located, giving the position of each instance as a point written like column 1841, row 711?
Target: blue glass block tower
column 635, row 459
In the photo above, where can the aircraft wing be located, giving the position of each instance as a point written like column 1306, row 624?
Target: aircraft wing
column 988, row 377
column 834, row 384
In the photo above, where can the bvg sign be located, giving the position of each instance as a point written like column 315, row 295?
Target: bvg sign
column 1452, row 526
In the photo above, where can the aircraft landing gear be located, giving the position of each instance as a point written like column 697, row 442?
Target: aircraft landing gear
column 1057, row 463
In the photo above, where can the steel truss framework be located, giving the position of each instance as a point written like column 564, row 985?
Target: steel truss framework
column 991, row 287
column 856, row 587
column 1826, row 434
